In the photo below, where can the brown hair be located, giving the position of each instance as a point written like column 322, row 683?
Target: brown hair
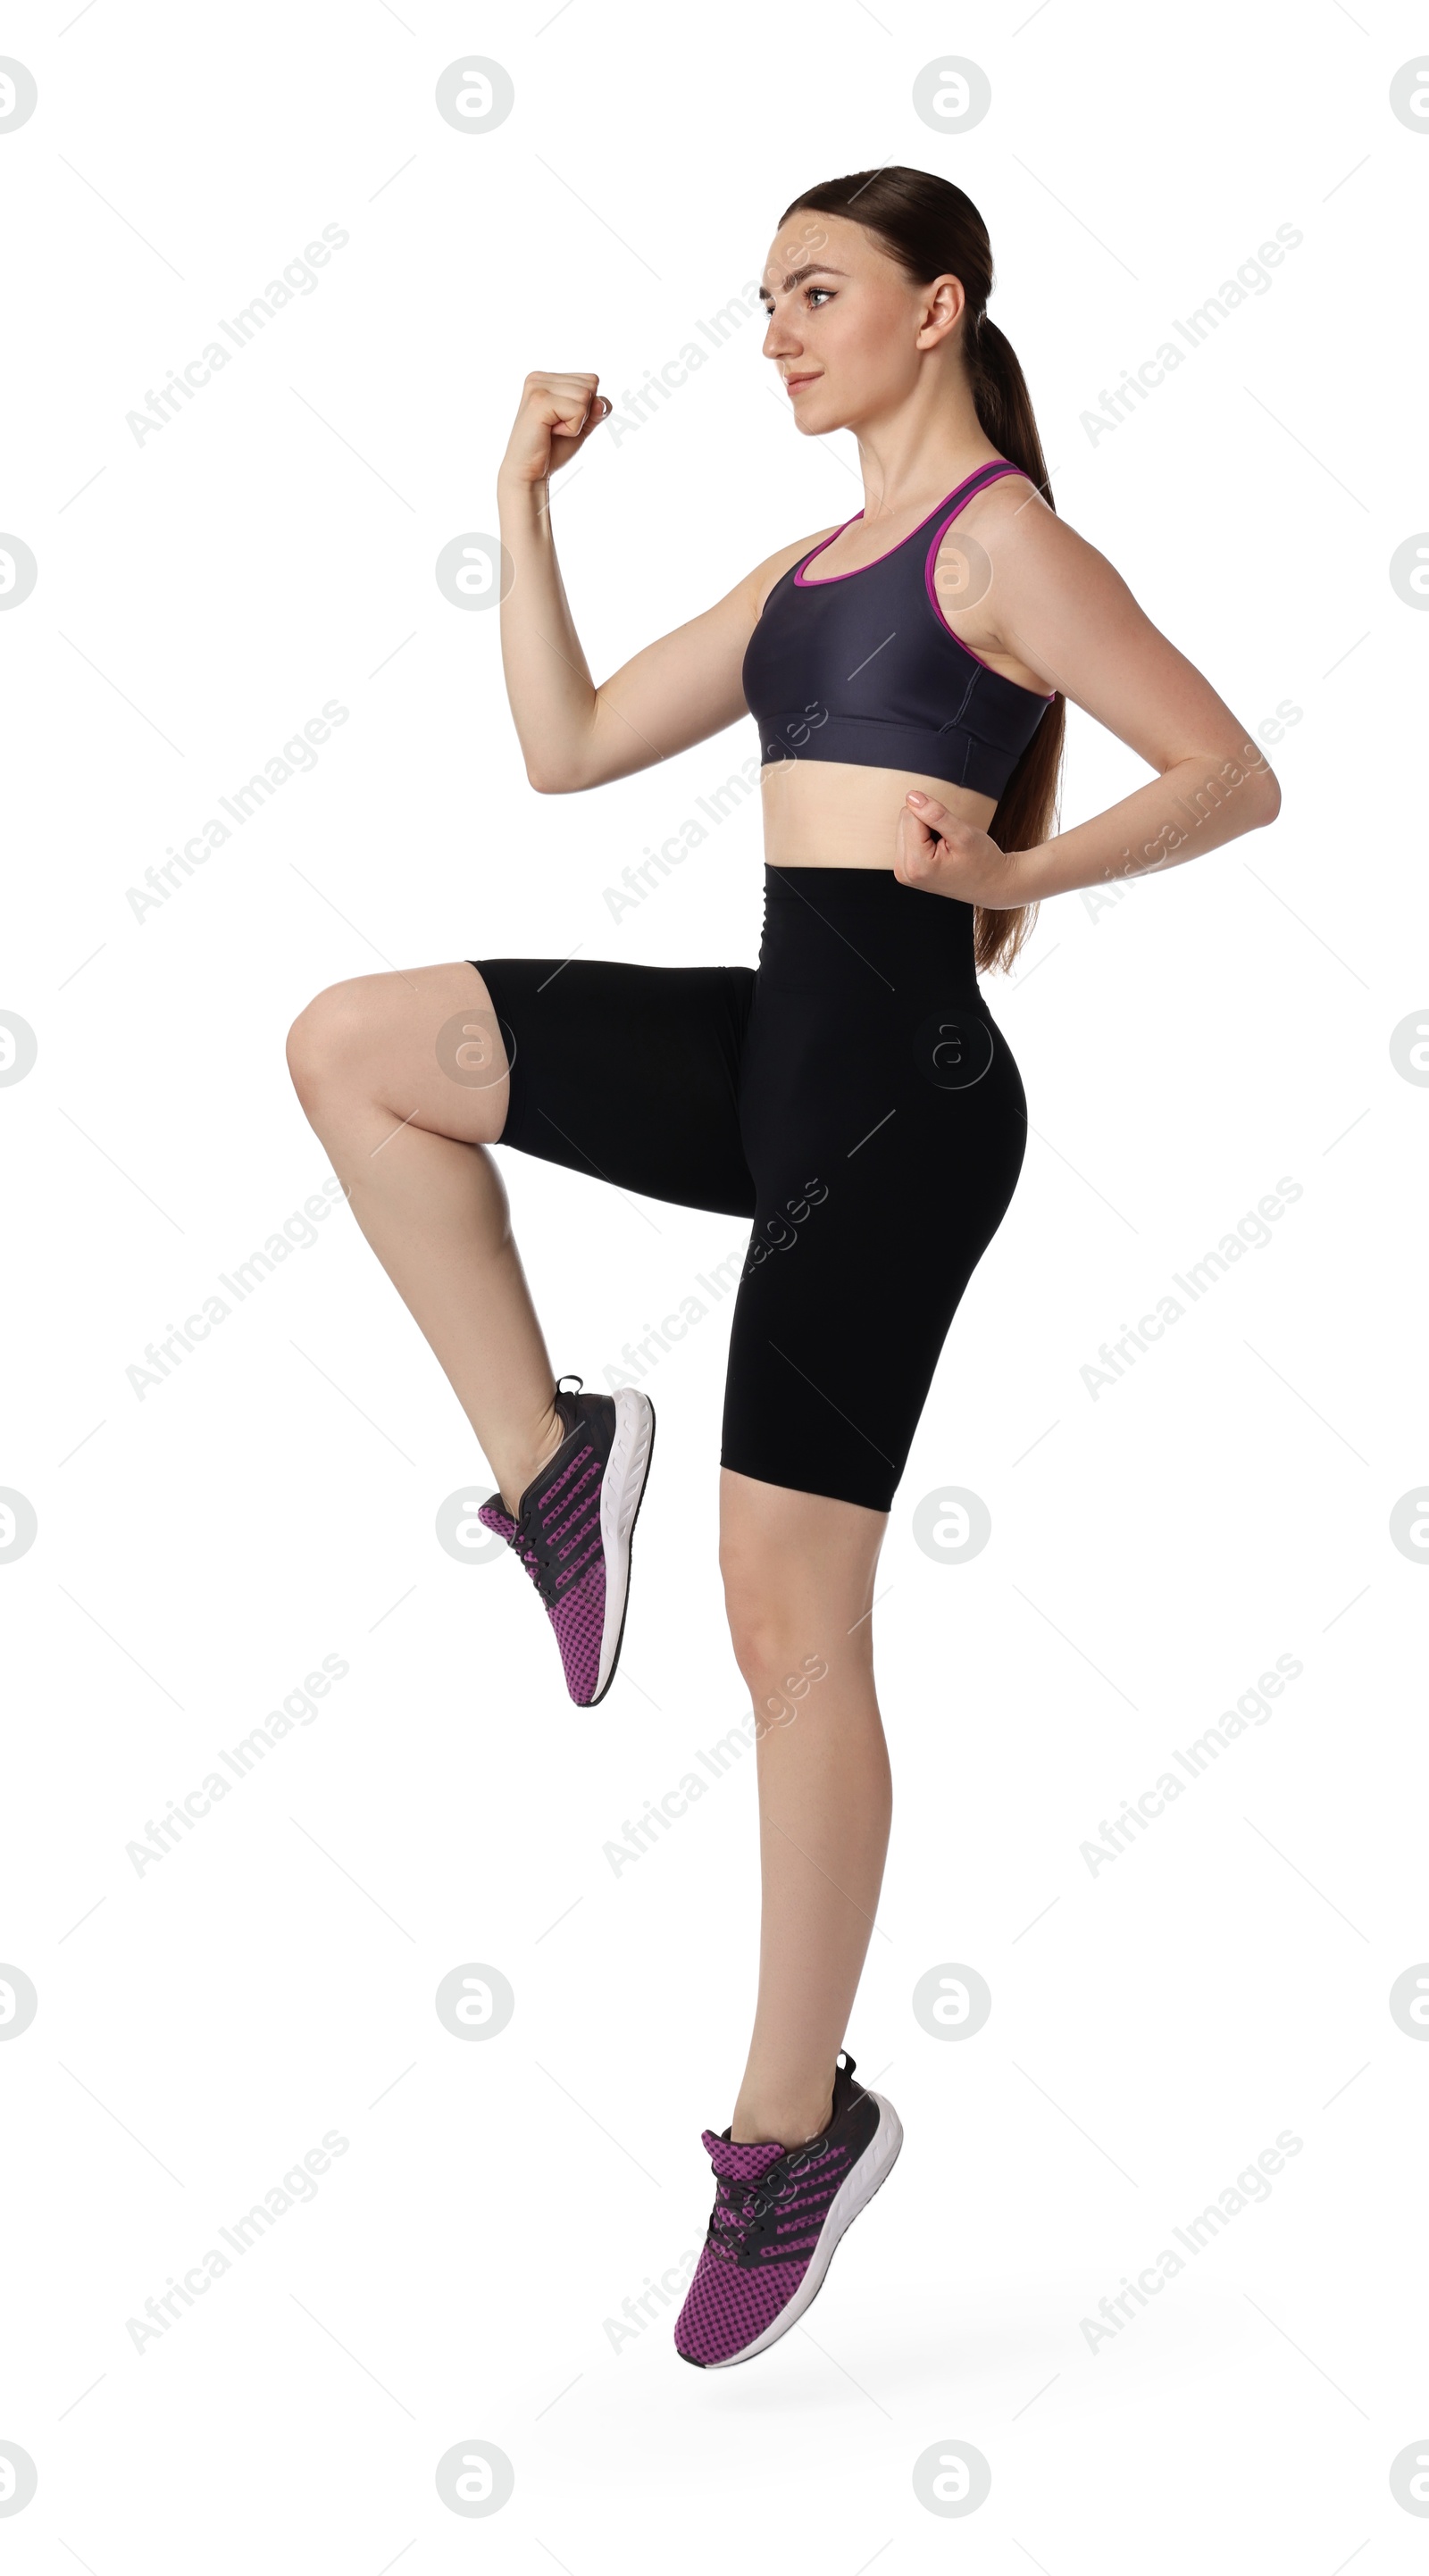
column 930, row 228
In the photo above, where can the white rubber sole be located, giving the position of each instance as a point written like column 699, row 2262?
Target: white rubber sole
column 871, row 2171
column 620, row 1498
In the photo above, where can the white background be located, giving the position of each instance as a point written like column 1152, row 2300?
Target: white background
column 273, row 1501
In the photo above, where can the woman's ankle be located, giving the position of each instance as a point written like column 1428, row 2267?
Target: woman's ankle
column 788, row 2123
column 515, row 1474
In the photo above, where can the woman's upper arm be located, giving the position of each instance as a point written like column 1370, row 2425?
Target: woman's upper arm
column 682, row 688
column 1063, row 609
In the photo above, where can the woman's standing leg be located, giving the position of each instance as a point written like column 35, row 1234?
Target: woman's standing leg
column 799, row 1578
column 406, row 1121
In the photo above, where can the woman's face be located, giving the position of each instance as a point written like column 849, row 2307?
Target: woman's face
column 848, row 330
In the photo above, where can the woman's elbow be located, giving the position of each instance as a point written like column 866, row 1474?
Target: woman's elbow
column 550, row 779
column 1267, row 796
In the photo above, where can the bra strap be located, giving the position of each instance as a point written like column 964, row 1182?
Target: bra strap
column 805, row 560
column 977, row 481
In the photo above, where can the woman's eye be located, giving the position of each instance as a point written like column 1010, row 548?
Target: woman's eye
column 824, row 293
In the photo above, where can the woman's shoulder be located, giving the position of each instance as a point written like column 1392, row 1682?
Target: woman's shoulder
column 768, row 574
column 1010, row 522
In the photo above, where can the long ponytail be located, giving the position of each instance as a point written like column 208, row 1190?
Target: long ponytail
column 932, row 229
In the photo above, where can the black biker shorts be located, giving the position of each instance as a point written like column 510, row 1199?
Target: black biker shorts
column 852, row 1095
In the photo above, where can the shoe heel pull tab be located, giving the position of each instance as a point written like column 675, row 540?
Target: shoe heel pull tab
column 848, row 2063
column 561, row 1381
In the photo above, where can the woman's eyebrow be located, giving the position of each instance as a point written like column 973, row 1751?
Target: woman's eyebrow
column 796, row 276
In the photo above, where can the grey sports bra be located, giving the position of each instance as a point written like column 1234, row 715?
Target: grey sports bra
column 863, row 667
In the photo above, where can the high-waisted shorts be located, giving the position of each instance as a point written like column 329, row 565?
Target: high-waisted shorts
column 852, row 1095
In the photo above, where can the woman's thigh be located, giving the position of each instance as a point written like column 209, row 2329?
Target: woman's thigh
column 879, row 1188
column 630, row 1074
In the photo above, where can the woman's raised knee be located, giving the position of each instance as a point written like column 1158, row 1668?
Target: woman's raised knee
column 330, row 1042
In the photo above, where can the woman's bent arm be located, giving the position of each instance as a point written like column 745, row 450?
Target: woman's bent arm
column 1064, row 611
column 1096, row 643
column 675, row 692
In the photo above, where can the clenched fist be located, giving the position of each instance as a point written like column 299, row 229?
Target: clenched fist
column 941, row 854
column 557, row 414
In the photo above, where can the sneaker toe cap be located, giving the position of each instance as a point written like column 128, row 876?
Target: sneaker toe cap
column 729, row 2305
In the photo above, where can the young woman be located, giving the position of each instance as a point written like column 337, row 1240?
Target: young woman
column 908, row 672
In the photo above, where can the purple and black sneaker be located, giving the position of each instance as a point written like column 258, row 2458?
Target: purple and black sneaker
column 778, row 2214
column 574, row 1526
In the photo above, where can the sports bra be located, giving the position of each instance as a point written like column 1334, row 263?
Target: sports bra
column 874, row 674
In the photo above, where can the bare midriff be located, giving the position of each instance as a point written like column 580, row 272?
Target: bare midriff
column 833, row 814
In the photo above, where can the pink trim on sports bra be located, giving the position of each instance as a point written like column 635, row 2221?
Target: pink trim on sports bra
column 830, row 578
column 1046, row 695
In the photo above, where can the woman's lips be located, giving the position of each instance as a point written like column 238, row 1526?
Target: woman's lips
column 792, row 384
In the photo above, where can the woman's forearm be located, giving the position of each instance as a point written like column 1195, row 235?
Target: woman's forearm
column 1194, row 806
column 548, row 680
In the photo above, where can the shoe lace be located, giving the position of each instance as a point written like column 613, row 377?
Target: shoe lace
column 560, row 1532
column 739, row 2206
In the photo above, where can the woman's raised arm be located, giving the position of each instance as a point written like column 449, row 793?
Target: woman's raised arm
column 677, row 691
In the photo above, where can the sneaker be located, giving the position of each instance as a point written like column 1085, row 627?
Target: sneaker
column 778, row 2214
column 574, row 1526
